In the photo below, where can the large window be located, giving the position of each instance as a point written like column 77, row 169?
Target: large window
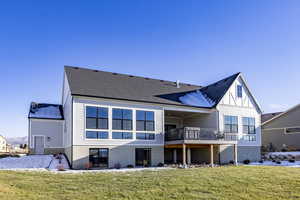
column 96, row 135
column 248, row 125
column 144, row 120
column 145, row 136
column 230, row 124
column 122, row 119
column 96, row 118
column 122, row 135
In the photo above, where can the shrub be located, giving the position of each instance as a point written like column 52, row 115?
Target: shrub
column 278, row 162
column 292, row 160
column 130, row 166
column 160, row 165
column 261, row 161
column 246, row 162
column 117, row 166
column 231, row 162
column 273, row 160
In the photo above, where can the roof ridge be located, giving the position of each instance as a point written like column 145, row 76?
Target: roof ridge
column 129, row 75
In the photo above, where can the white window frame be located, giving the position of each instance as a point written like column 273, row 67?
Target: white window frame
column 291, row 133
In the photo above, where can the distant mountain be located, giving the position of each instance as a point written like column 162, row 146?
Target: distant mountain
column 17, row 140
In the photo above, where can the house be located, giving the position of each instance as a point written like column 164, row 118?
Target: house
column 3, row 145
column 281, row 130
column 109, row 119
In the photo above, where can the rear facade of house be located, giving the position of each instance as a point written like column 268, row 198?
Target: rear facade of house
column 109, row 120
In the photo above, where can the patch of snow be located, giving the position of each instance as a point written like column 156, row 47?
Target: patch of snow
column 124, row 170
column 292, row 153
column 270, row 163
column 50, row 111
column 33, row 162
column 196, row 99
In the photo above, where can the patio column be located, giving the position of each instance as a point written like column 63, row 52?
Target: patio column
column 183, row 155
column 235, row 154
column 175, row 156
column 211, row 155
column 188, row 156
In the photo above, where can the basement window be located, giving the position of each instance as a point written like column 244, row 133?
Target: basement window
column 292, row 130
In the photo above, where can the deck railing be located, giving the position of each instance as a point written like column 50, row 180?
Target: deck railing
column 196, row 133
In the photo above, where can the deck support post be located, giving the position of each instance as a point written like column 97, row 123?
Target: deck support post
column 188, row 156
column 184, row 155
column 211, row 155
column 235, row 154
column 175, row 156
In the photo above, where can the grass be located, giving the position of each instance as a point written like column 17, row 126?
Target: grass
column 244, row 182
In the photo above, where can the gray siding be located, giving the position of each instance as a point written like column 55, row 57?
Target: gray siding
column 278, row 138
column 244, row 152
column 124, row 155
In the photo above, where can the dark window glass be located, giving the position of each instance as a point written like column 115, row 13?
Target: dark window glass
column 145, row 136
column 292, row 130
column 96, row 135
column 122, row 119
column 117, row 135
column 248, row 125
column 122, row 135
column 91, row 111
column 230, row 124
column 145, row 120
column 98, row 158
column 91, row 123
column 103, row 123
column 96, row 118
column 239, row 91
column 91, row 134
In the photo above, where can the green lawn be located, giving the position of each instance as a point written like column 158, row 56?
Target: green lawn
column 246, row 182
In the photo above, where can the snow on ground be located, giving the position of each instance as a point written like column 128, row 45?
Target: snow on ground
column 292, row 153
column 196, row 99
column 270, row 163
column 33, row 162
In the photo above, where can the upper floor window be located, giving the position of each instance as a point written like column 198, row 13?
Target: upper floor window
column 96, row 117
column 239, row 91
column 122, row 119
column 230, row 124
column 122, row 135
column 144, row 120
column 145, row 136
column 248, row 125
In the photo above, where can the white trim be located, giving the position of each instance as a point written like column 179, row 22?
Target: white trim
column 279, row 115
column 291, row 133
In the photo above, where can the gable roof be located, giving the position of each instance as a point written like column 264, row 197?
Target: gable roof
column 281, row 114
column 268, row 116
column 45, row 111
column 95, row 83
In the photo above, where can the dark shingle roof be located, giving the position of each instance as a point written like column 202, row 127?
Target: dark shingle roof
column 94, row 83
column 45, row 111
column 268, row 116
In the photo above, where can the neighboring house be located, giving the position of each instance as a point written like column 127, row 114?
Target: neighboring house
column 3, row 145
column 109, row 119
column 282, row 130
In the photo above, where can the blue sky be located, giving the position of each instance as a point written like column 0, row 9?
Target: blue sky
column 192, row 41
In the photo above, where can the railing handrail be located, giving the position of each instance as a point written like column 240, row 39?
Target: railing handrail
column 197, row 133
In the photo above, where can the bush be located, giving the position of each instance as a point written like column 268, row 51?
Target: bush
column 292, row 160
column 278, row 162
column 117, row 166
column 231, row 162
column 273, row 160
column 261, row 161
column 246, row 162
column 160, row 165
column 130, row 166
